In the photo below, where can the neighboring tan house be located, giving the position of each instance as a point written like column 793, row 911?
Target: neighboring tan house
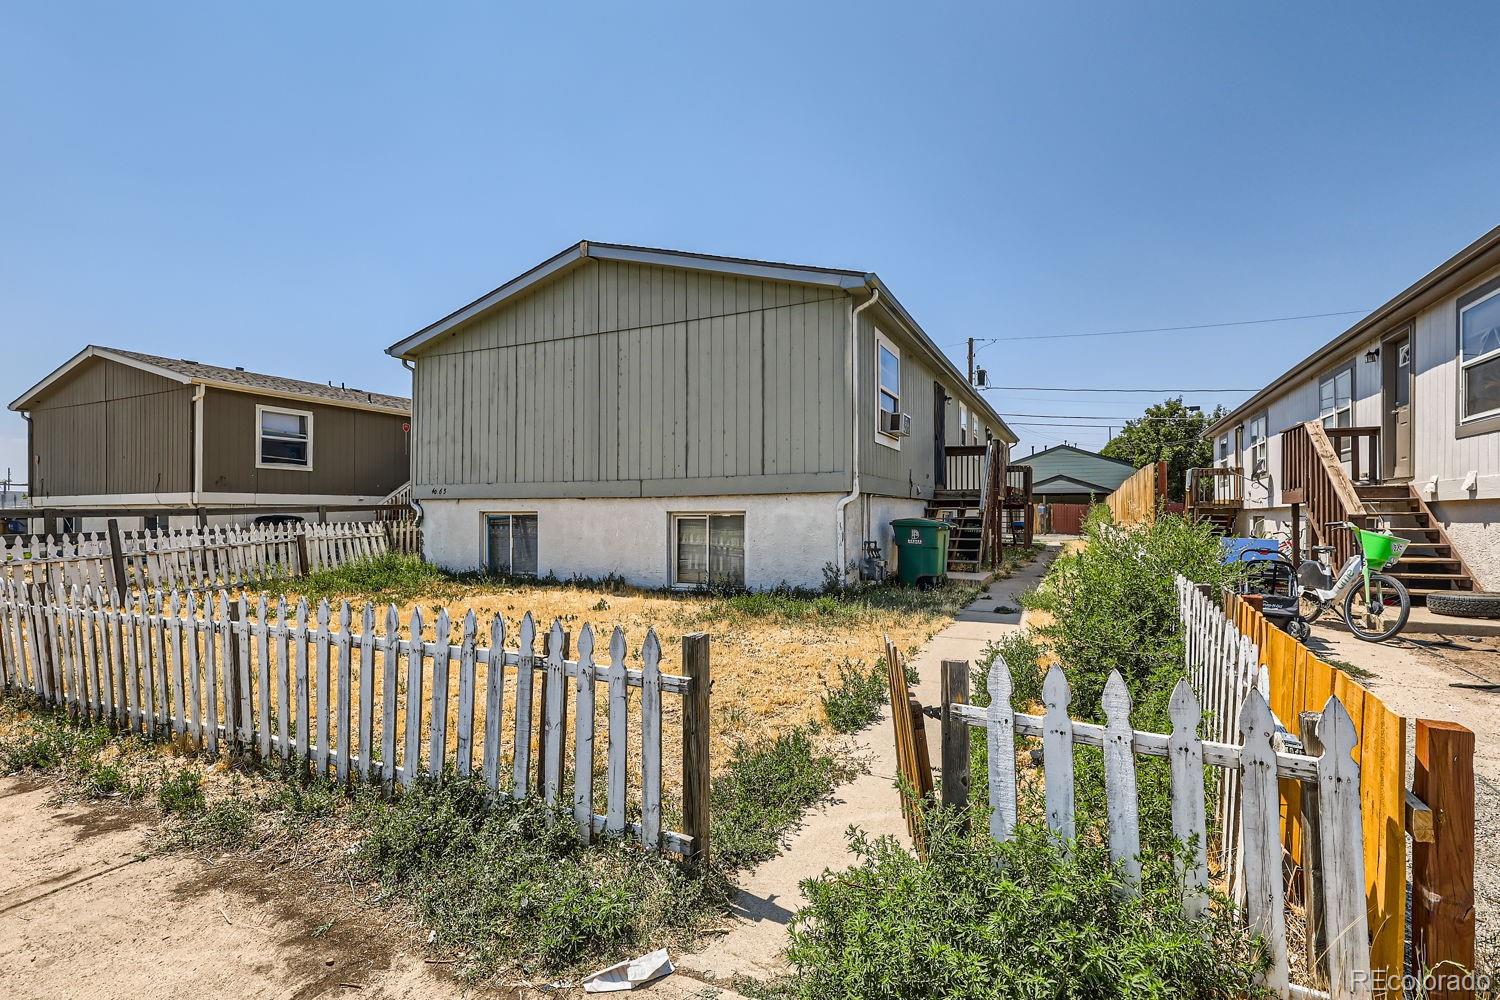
column 113, row 428
column 1411, row 393
column 1065, row 474
column 683, row 420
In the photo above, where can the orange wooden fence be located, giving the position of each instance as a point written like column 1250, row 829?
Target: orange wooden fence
column 1300, row 682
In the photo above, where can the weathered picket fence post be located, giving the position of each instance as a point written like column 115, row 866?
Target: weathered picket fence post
column 695, row 744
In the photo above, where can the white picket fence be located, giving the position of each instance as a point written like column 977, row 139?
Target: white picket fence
column 1223, row 667
column 201, row 558
column 268, row 680
column 1251, row 756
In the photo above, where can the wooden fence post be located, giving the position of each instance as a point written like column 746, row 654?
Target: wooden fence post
column 541, row 726
column 1442, row 916
column 1312, row 858
column 302, row 557
column 695, row 734
column 117, row 559
column 955, row 686
column 232, row 721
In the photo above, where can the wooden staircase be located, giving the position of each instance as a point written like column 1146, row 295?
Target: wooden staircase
column 966, row 536
column 1430, row 564
column 1215, row 496
column 971, row 501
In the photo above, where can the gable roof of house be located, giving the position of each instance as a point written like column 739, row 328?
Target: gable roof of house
column 235, row 379
column 806, row 274
column 1067, row 484
column 1468, row 263
column 1088, row 468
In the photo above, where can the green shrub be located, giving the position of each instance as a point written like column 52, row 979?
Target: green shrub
column 222, row 826
column 390, row 577
column 1023, row 654
column 500, row 880
column 853, row 701
column 764, row 792
column 978, row 919
column 181, row 792
column 850, row 607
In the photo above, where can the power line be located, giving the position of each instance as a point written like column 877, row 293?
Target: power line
column 1170, row 329
column 1058, row 388
column 1116, row 417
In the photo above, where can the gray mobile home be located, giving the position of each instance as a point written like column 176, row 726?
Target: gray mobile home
column 681, row 420
column 116, row 428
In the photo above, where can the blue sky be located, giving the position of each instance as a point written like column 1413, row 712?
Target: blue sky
column 292, row 187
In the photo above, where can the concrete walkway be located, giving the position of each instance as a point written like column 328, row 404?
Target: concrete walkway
column 756, row 936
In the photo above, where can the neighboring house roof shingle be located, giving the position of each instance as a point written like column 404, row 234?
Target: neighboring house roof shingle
column 187, row 371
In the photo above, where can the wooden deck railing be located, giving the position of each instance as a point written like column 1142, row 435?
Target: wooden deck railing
column 1216, row 487
column 1311, row 468
column 1362, row 468
column 965, row 468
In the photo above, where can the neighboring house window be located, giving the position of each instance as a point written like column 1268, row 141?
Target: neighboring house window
column 1259, row 447
column 510, row 544
column 963, row 424
column 1223, row 447
column 708, row 550
column 1336, row 403
column 154, row 522
column 285, row 438
column 1479, row 357
column 888, row 389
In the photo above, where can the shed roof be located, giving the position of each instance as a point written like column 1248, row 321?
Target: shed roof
column 846, row 279
column 1067, row 484
column 236, row 379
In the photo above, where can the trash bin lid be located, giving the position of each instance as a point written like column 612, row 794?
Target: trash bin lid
column 918, row 522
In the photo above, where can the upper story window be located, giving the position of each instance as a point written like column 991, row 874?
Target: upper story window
column 284, row 438
column 1223, row 447
column 888, row 391
column 1336, row 403
column 1479, row 356
column 1259, row 446
column 963, row 424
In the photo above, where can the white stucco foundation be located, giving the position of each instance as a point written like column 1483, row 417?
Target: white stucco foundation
column 789, row 538
column 1474, row 528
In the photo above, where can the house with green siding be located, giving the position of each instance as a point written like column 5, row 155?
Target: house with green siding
column 681, row 419
column 1068, row 474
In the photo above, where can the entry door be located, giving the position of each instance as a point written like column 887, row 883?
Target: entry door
column 939, row 436
column 1397, row 394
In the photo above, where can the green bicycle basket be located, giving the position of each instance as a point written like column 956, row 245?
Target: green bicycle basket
column 1381, row 549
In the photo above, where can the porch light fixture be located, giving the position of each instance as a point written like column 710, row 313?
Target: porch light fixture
column 1372, row 355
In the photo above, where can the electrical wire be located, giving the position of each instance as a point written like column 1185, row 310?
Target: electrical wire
column 1058, row 388
column 1167, row 329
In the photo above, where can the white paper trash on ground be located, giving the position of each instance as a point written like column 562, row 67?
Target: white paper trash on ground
column 629, row 974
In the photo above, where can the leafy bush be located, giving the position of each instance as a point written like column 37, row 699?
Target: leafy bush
column 181, row 792
column 389, row 577
column 1114, row 607
column 849, row 607
column 1023, row 655
column 854, row 700
column 501, row 880
column 222, row 826
column 979, row 919
column 764, row 792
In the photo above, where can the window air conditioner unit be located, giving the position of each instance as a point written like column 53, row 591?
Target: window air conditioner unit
column 895, row 424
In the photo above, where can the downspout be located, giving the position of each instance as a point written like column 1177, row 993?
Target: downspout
column 411, row 475
column 840, row 545
column 198, row 444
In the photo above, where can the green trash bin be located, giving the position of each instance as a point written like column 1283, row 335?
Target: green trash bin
column 921, row 550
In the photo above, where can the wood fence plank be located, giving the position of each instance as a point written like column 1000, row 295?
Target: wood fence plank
column 494, row 702
column 211, row 632
column 1342, row 837
column 1188, row 821
column 322, row 678
column 195, row 683
column 465, row 763
column 243, row 712
column 1123, row 802
column 263, row 678
column 390, row 657
column 437, row 749
column 1057, row 752
column 1260, row 814
column 415, row 671
column 1000, row 736
column 342, row 699
column 366, row 748
column 300, row 648
column 651, row 741
column 552, row 716
column 615, row 765
column 525, row 675
column 284, row 709
column 583, row 739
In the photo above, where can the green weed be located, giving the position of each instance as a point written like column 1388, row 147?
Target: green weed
column 853, row 701
column 181, row 792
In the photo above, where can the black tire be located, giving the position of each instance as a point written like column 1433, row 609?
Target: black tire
column 1299, row 629
column 1395, row 605
column 1460, row 604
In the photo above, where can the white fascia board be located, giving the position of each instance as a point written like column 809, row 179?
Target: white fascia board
column 22, row 401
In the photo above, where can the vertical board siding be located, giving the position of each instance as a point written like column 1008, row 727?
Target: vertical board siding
column 251, row 659
column 618, row 372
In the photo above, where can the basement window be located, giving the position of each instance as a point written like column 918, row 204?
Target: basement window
column 708, row 551
column 1479, row 356
column 510, row 544
column 285, row 438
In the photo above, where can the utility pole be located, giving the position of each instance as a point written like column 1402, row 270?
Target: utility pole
column 971, row 360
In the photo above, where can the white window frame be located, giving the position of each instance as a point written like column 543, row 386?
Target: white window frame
column 1260, row 449
column 484, row 525
column 1345, row 449
column 1464, row 364
column 683, row 515
column 963, row 424
column 1223, row 451
column 262, row 408
column 892, row 441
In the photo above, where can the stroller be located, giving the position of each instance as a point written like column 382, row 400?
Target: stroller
column 1270, row 574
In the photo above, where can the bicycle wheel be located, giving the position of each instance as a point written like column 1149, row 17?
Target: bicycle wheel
column 1386, row 612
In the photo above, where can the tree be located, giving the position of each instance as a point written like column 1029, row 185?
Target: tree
column 1167, row 432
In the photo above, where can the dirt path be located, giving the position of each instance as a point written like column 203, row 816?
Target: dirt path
column 756, row 936
column 87, row 910
column 1415, row 677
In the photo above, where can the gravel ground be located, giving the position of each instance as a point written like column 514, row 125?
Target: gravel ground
column 1416, row 677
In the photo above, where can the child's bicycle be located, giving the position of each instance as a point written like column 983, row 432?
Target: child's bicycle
column 1375, row 606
